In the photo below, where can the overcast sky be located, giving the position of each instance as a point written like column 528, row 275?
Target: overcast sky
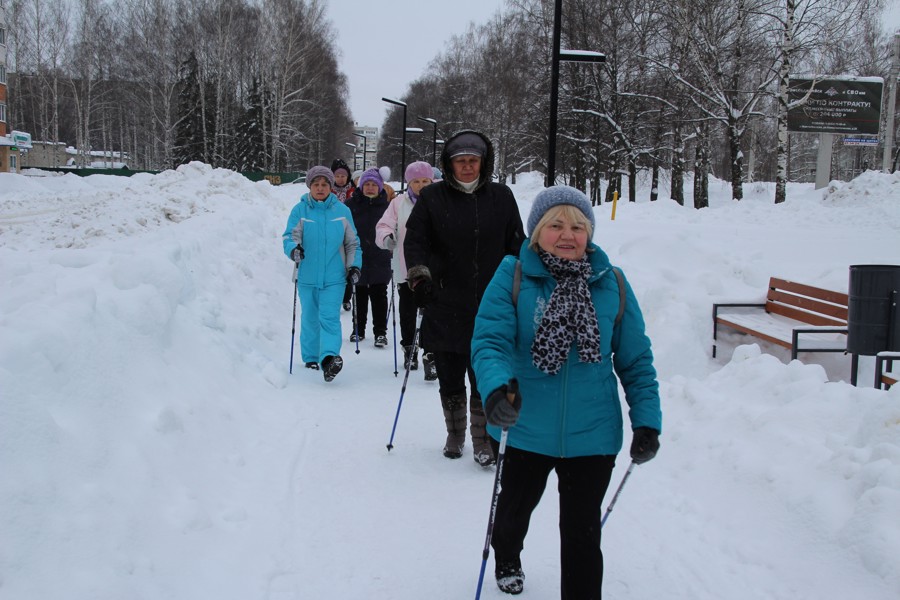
column 386, row 45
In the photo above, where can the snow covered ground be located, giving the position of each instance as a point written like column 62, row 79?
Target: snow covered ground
column 153, row 445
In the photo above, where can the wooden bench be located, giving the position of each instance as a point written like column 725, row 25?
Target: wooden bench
column 800, row 317
column 885, row 375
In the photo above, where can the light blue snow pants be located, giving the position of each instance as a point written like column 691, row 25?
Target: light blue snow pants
column 320, row 321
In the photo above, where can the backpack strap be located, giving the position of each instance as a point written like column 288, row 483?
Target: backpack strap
column 621, row 281
column 517, row 282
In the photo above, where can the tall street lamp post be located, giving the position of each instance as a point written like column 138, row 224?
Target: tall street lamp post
column 403, row 142
column 559, row 56
column 434, row 142
column 412, row 130
column 349, row 145
column 365, row 152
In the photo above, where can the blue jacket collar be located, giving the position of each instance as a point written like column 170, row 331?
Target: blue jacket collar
column 326, row 203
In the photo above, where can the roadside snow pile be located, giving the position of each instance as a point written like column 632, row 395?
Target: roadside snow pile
column 80, row 212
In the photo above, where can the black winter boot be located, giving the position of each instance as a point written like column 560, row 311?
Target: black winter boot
column 484, row 454
column 455, row 420
column 510, row 577
column 429, row 366
column 331, row 366
column 410, row 358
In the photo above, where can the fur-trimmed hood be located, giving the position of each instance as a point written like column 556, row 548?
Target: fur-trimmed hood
column 487, row 164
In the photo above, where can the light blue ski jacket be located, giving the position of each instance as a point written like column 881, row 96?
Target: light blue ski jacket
column 576, row 412
column 326, row 232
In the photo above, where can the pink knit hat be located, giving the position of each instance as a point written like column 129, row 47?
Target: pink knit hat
column 419, row 170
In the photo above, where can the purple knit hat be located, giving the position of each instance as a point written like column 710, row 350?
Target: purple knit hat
column 372, row 175
column 419, row 170
column 319, row 171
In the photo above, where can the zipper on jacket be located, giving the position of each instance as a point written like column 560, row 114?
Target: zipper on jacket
column 563, row 411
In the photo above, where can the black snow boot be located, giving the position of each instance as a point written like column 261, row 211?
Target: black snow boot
column 429, row 366
column 410, row 358
column 455, row 420
column 331, row 366
column 510, row 577
column 484, row 454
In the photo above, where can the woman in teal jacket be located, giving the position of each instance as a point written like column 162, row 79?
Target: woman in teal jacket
column 321, row 239
column 555, row 333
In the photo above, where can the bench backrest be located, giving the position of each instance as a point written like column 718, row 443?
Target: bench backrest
column 806, row 303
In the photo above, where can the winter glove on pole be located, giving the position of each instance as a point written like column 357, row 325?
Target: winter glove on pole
column 503, row 405
column 644, row 444
column 419, row 279
column 297, row 254
column 389, row 242
column 353, row 275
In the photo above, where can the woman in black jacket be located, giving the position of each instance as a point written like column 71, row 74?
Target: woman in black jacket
column 456, row 236
column 367, row 205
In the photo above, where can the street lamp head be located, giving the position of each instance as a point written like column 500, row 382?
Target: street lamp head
column 414, row 130
column 392, row 101
column 427, row 120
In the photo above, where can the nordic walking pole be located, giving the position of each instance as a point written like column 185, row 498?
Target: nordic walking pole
column 394, row 319
column 616, row 495
column 511, row 390
column 294, row 323
column 390, row 443
column 355, row 323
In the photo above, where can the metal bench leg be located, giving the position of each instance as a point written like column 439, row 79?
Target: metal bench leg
column 854, row 368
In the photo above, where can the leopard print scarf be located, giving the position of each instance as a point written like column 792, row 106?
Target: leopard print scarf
column 569, row 316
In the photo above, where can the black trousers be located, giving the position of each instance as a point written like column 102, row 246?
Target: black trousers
column 377, row 295
column 583, row 482
column 407, row 309
column 452, row 369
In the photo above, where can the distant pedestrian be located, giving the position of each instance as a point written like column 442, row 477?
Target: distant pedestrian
column 557, row 336
column 343, row 187
column 367, row 205
column 456, row 235
column 390, row 235
column 321, row 239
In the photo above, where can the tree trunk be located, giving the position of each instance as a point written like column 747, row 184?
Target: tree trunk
column 632, row 180
column 677, row 164
column 701, row 169
column 781, row 153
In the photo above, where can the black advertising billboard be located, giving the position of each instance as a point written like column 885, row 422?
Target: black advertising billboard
column 847, row 106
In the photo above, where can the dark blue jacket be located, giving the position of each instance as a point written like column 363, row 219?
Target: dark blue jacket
column 376, row 262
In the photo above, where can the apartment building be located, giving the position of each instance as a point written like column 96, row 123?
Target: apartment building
column 9, row 153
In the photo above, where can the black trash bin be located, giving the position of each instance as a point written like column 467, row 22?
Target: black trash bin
column 873, row 322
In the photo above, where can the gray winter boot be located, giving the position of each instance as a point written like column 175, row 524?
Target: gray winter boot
column 455, row 419
column 484, row 454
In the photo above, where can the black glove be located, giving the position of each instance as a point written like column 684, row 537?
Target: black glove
column 297, row 254
column 353, row 275
column 644, row 444
column 419, row 279
column 389, row 242
column 499, row 409
column 423, row 294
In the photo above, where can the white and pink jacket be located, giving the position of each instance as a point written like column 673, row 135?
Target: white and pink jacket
column 394, row 223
